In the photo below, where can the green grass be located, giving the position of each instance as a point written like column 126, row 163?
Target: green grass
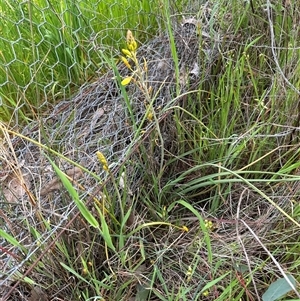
column 216, row 216
column 49, row 49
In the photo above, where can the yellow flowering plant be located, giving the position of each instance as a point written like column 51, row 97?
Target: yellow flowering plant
column 129, row 52
column 102, row 160
column 138, row 73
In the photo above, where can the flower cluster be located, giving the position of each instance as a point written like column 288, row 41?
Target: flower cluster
column 102, row 160
column 209, row 225
column 129, row 52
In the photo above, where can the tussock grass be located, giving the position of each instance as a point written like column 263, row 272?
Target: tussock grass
column 205, row 205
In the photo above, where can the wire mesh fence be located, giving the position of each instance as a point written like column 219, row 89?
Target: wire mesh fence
column 55, row 50
column 50, row 49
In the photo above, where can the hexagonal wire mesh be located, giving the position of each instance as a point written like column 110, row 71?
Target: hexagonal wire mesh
column 50, row 49
column 102, row 116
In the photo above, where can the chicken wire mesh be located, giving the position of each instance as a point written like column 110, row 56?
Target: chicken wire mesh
column 102, row 116
column 53, row 48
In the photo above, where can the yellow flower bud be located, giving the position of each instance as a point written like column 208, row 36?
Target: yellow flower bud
column 127, row 52
column 131, row 43
column 105, row 167
column 125, row 61
column 205, row 293
column 102, row 160
column 126, row 81
column 145, row 65
column 185, row 228
column 150, row 116
column 132, row 46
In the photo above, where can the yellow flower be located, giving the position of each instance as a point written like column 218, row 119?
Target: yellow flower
column 205, row 293
column 209, row 224
column 150, row 116
column 189, row 271
column 189, row 274
column 131, row 43
column 126, row 81
column 105, row 168
column 102, row 160
column 125, row 61
column 127, row 52
column 185, row 228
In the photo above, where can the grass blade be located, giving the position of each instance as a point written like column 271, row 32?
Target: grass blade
column 80, row 205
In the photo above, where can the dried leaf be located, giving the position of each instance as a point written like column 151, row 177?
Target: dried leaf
column 15, row 187
column 99, row 113
column 96, row 120
column 195, row 70
column 74, row 173
column 37, row 294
